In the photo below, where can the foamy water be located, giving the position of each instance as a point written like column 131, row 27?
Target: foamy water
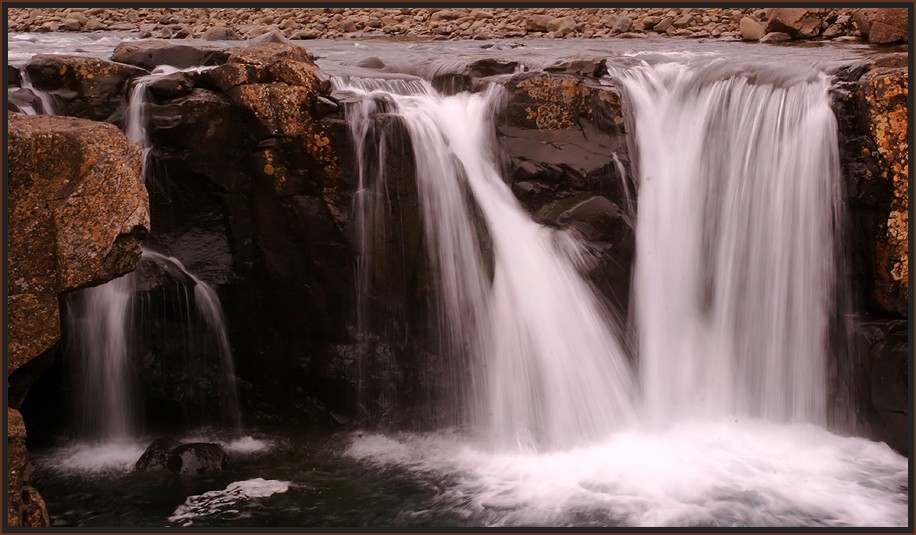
column 226, row 503
column 730, row 473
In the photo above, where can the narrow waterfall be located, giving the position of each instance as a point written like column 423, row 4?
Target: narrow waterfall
column 546, row 367
column 47, row 105
column 108, row 321
column 108, row 334
column 739, row 202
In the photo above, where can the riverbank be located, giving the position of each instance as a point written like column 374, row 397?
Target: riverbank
column 879, row 26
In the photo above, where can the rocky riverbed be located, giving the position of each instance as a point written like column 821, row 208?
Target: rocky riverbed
column 879, row 26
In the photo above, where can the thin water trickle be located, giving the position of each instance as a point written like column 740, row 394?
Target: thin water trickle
column 47, row 104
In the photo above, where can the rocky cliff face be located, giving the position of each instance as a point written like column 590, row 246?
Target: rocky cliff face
column 77, row 213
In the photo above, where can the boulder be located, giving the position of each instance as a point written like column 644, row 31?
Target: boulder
column 221, row 33
column 197, row 458
column 775, row 37
column 153, row 53
column 562, row 26
column 751, row 30
column 795, row 21
column 538, row 23
column 77, row 214
column 83, row 87
column 883, row 25
column 157, row 455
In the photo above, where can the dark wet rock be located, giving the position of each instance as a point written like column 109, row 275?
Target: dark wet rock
column 25, row 507
column 11, row 75
column 171, row 86
column 491, row 67
column 157, row 455
column 83, row 87
column 151, row 54
column 198, row 458
column 19, row 100
column 593, row 67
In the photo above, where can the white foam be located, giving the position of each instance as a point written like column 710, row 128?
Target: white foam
column 92, row 458
column 248, row 445
column 710, row 474
column 223, row 502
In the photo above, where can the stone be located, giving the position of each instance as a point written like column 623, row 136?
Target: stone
column 664, row 24
column 795, row 21
column 157, row 455
column 197, row 458
column 562, row 26
column 221, row 33
column 34, row 326
column 82, row 87
column 94, row 25
column 883, row 25
column 538, row 23
column 775, row 37
column 25, row 507
column 150, row 54
column 170, row 86
column 751, row 30
column 78, row 211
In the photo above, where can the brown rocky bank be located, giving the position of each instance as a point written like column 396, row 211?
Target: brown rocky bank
column 875, row 25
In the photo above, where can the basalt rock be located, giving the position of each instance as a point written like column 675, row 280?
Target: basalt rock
column 83, row 87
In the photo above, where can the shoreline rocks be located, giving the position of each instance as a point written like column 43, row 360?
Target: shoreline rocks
column 875, row 25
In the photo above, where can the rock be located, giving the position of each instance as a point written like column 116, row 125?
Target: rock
column 834, row 30
column 77, row 215
column 11, row 74
column 221, row 33
column 72, row 25
column 664, row 24
column 562, row 26
column 683, row 22
column 775, row 37
column 885, row 94
column 197, row 458
column 593, row 217
column 170, row 86
column 483, row 68
column 883, row 25
column 153, row 53
column 20, row 100
column 751, row 30
column 795, row 21
column 83, row 87
column 538, row 23
column 269, row 35
column 25, row 507
column 157, row 455
column 94, row 25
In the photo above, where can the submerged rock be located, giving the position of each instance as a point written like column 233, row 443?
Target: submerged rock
column 157, row 455
column 198, row 458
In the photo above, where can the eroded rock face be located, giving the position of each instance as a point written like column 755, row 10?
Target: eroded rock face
column 83, row 87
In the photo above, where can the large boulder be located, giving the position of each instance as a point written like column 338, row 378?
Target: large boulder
column 83, row 87
column 153, row 53
column 797, row 22
column 883, row 25
column 156, row 456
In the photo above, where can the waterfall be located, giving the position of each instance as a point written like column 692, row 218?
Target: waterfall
column 547, row 368
column 107, row 334
column 47, row 105
column 739, row 202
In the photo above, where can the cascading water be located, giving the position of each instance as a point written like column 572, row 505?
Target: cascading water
column 735, row 270
column 738, row 211
column 547, row 367
column 106, row 331
column 47, row 105
column 105, row 320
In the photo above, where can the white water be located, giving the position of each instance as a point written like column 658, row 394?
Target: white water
column 735, row 264
column 47, row 105
column 549, row 369
column 104, row 322
column 225, row 504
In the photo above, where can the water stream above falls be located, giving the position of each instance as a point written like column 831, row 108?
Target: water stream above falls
column 714, row 418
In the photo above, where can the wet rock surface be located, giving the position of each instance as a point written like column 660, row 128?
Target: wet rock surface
column 25, row 507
